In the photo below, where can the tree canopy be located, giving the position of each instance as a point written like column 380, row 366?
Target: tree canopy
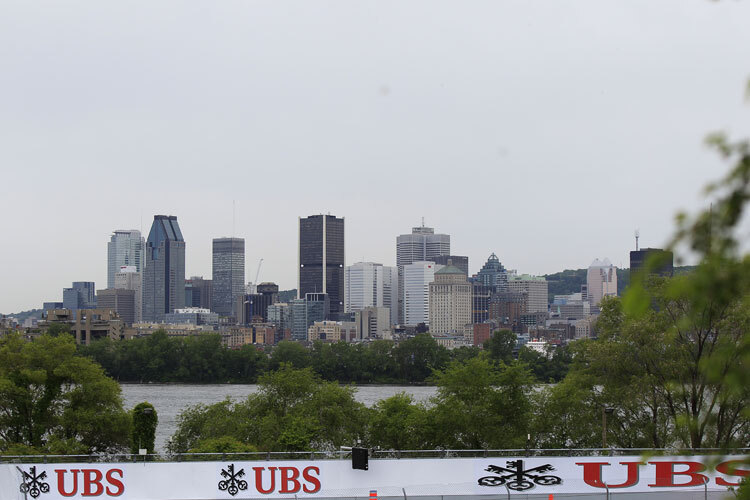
column 54, row 401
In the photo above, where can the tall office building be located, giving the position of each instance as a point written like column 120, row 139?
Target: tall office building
column 198, row 292
column 492, row 274
column 416, row 297
column 321, row 259
column 228, row 274
column 601, row 279
column 369, row 284
column 661, row 261
column 450, row 302
column 120, row 300
column 421, row 245
column 163, row 287
column 536, row 289
column 125, row 248
column 130, row 279
column 81, row 295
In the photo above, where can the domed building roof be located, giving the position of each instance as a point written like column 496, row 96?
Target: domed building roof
column 449, row 270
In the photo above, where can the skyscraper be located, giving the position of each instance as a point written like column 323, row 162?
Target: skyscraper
column 163, row 287
column 125, row 248
column 371, row 285
column 417, row 278
column 421, row 245
column 661, row 261
column 228, row 274
column 601, row 279
column 321, row 259
column 492, row 274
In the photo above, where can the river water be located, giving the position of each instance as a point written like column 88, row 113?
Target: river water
column 170, row 399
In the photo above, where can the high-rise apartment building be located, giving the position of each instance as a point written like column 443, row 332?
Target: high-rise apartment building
column 536, row 289
column 163, row 286
column 321, row 259
column 369, row 284
column 416, row 297
column 228, row 274
column 419, row 246
column 601, row 280
column 450, row 302
column 128, row 278
column 125, row 248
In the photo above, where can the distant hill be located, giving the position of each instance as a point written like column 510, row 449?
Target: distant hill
column 570, row 280
column 21, row 316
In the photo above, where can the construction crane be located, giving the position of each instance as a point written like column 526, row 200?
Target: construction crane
column 252, row 287
column 257, row 273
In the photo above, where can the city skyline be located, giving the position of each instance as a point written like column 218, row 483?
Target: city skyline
column 586, row 129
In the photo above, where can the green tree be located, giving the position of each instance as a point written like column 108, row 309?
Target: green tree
column 500, row 346
column 293, row 410
column 398, row 423
column 481, row 404
column 289, row 352
column 57, row 329
column 54, row 400
column 417, row 357
column 143, row 433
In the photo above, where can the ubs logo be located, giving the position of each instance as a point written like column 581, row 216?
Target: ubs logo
column 33, row 483
column 516, row 478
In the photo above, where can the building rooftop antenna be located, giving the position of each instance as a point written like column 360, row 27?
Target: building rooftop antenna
column 637, row 235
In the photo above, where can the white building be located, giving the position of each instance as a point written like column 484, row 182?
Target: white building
column 129, row 278
column 421, row 245
column 125, row 248
column 368, row 284
column 416, row 296
column 535, row 287
column 450, row 302
column 601, row 279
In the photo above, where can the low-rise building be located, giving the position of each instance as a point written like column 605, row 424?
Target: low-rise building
column 192, row 316
column 95, row 324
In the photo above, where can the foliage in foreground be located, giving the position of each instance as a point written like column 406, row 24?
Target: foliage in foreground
column 294, row 410
column 53, row 401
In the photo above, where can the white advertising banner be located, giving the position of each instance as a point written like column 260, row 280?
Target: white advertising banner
column 385, row 478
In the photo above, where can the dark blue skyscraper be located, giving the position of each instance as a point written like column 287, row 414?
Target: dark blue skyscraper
column 492, row 274
column 164, row 269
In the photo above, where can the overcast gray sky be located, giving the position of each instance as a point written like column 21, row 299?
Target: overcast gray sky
column 545, row 131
